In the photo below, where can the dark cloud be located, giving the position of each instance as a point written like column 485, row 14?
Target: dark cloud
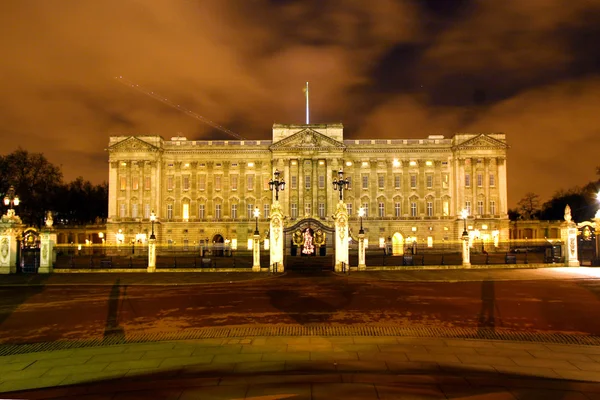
column 386, row 69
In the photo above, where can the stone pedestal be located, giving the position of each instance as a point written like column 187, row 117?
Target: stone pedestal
column 361, row 252
column 152, row 255
column 256, row 253
column 569, row 238
column 46, row 253
column 341, row 238
column 466, row 253
column 8, row 254
column 276, row 238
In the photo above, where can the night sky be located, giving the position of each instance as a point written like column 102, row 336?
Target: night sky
column 386, row 69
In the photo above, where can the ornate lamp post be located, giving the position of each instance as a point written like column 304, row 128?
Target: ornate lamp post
column 11, row 200
column 152, row 219
column 361, row 214
column 466, row 257
column 341, row 184
column 277, row 184
column 256, row 215
column 464, row 215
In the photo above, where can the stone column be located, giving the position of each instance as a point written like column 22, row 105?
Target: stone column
column 8, row 253
column 341, row 237
column 256, row 253
column 46, row 256
column 276, row 239
column 362, row 266
column 568, row 235
column 466, row 253
column 152, row 255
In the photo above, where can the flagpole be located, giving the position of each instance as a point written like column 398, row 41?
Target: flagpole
column 307, row 112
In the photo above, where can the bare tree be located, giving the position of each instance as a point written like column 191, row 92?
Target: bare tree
column 529, row 206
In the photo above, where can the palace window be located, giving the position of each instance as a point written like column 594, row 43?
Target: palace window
column 185, row 211
column 169, row 211
column 321, row 182
column 429, row 181
column 467, row 180
column 321, row 210
column 135, row 183
column 468, row 207
column 294, row 183
column 294, row 211
column 234, row 182
column 381, row 181
column 445, row 208
column 445, row 180
column 202, row 182
column 147, row 183
column 170, row 182
column 122, row 210
column 134, row 210
column 397, row 181
column 349, row 208
column 479, row 207
column 381, row 209
column 146, row 211
column 349, row 182
column 234, row 211
column 266, row 210
column 201, row 211
column 492, row 180
column 123, row 183
column 413, row 181
column 308, row 209
column 249, row 211
column 479, row 180
column 366, row 209
column 186, row 182
column 397, row 209
column 365, row 181
column 250, row 180
column 430, row 209
column 307, row 182
column 413, row 209
column 492, row 207
column 217, row 211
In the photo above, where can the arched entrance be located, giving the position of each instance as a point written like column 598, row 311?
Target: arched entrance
column 218, row 245
column 397, row 244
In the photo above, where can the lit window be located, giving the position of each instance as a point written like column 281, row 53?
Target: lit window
column 170, row 182
column 429, row 163
column 234, row 182
column 430, row 209
column 397, row 210
column 349, row 208
column 413, row 163
column 294, row 210
column 445, row 208
column 185, row 211
column 413, row 209
column 249, row 211
column 381, row 209
column 217, row 182
column 202, row 182
column 234, row 211
column 307, row 182
column 217, row 211
column 468, row 207
column 123, row 183
column 467, row 180
column 396, row 163
column 365, row 181
column 135, row 183
column 266, row 210
column 397, row 181
column 321, row 210
column 445, row 180
column 186, row 182
column 365, row 207
column 479, row 180
column 201, row 211
column 169, row 211
column 250, row 182
column 147, row 183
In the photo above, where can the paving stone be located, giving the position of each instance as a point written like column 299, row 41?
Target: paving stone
column 489, row 360
column 295, row 391
column 259, row 341
column 137, row 347
column 466, row 368
column 260, row 366
column 561, row 356
column 579, row 375
column 309, row 347
column 173, row 362
column 340, row 340
column 361, row 365
column 205, row 369
column 449, row 350
column 422, row 341
column 73, row 369
column 28, row 373
column 49, row 363
column 356, row 347
column 23, row 384
column 171, row 394
column 92, row 377
column 365, row 355
column 15, row 366
column 248, row 349
column 520, row 346
column 134, row 364
column 226, row 349
column 437, row 358
column 116, row 357
column 402, row 348
column 375, row 340
column 527, row 371
column 469, row 343
column 236, row 358
column 333, row 355
column 42, row 355
column 297, row 356
column 92, row 351
column 412, row 366
column 344, row 391
column 307, row 366
column 476, row 392
column 542, row 363
column 586, row 366
column 409, row 392
column 166, row 353
column 494, row 351
column 573, row 349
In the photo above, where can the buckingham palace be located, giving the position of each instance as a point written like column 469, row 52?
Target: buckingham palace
column 194, row 193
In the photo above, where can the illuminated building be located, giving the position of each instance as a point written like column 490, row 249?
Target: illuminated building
column 206, row 191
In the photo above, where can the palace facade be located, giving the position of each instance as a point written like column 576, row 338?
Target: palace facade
column 204, row 192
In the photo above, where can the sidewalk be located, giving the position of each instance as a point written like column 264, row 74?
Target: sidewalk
column 352, row 367
column 195, row 278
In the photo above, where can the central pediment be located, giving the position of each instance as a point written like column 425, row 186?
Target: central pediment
column 132, row 144
column 308, row 139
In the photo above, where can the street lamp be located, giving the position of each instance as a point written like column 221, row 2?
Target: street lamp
column 152, row 219
column 11, row 199
column 276, row 184
column 464, row 214
column 361, row 214
column 256, row 215
column 341, row 184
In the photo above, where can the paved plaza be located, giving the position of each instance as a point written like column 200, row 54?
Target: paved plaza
column 451, row 334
